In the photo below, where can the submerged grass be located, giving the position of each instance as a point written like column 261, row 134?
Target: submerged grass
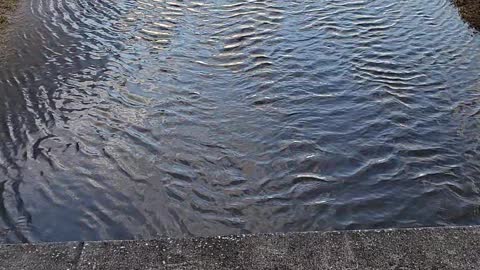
column 6, row 6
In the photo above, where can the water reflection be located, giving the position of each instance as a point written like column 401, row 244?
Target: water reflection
column 139, row 119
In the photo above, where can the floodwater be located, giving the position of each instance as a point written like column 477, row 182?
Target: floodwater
column 125, row 119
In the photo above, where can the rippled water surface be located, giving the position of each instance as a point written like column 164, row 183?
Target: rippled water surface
column 137, row 119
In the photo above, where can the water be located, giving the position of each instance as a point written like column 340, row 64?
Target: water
column 138, row 119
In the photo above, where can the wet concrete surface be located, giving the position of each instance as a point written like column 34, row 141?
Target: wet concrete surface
column 426, row 248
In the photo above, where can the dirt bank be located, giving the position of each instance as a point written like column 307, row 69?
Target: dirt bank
column 470, row 11
column 6, row 7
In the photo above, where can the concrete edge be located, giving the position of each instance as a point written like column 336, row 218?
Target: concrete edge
column 418, row 248
column 276, row 234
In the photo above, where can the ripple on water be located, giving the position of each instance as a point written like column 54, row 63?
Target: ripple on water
column 138, row 119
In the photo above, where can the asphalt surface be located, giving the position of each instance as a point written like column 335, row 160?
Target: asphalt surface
column 426, row 248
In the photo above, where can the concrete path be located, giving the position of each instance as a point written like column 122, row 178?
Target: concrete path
column 470, row 11
column 428, row 248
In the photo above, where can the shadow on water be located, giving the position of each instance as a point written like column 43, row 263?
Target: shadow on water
column 139, row 119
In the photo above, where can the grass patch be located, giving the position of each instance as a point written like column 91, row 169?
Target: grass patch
column 3, row 20
column 6, row 6
column 470, row 11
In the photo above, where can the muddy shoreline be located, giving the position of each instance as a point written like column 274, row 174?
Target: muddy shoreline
column 470, row 11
